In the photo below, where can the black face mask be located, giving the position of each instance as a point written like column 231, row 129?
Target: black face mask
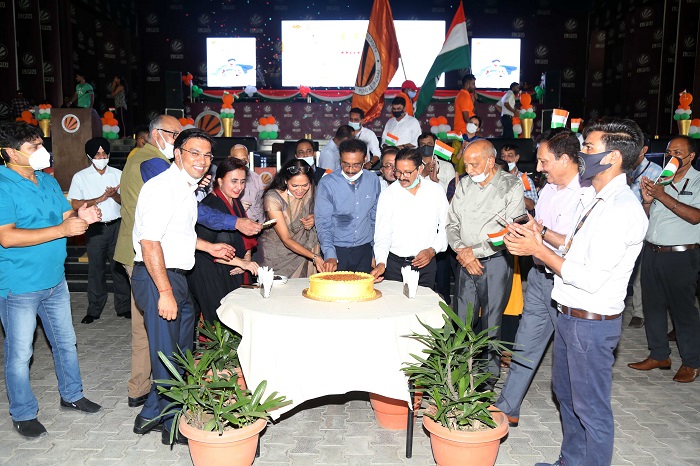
column 427, row 151
column 591, row 164
column 397, row 114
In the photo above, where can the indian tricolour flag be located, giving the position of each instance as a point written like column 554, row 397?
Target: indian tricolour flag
column 391, row 140
column 526, row 182
column 442, row 150
column 559, row 118
column 453, row 135
column 576, row 124
column 497, row 238
column 669, row 171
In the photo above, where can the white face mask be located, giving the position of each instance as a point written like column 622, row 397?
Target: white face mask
column 168, row 149
column 354, row 125
column 472, row 128
column 100, row 164
column 191, row 181
column 309, row 160
column 354, row 177
column 511, row 166
column 411, row 94
column 479, row 178
column 39, row 159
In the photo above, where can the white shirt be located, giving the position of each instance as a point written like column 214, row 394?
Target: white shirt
column 406, row 223
column 510, row 98
column 89, row 184
column 329, row 158
column 598, row 265
column 383, row 183
column 407, row 130
column 166, row 212
column 369, row 138
column 445, row 174
column 253, row 194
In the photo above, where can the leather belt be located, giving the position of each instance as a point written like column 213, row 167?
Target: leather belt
column 110, row 222
column 677, row 248
column 178, row 271
column 543, row 270
column 401, row 259
column 496, row 254
column 585, row 315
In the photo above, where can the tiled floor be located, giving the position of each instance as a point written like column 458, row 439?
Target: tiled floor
column 657, row 420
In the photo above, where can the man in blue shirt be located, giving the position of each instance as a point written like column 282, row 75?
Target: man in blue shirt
column 345, row 211
column 35, row 220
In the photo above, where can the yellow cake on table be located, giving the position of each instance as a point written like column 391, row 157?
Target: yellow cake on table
column 341, row 286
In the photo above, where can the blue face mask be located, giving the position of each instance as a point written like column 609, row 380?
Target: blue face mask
column 415, row 183
column 591, row 164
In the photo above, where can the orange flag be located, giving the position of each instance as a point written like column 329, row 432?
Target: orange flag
column 379, row 61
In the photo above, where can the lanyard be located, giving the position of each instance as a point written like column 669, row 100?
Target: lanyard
column 578, row 227
column 634, row 180
column 685, row 185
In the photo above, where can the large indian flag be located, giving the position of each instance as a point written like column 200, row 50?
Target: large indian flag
column 497, row 238
column 669, row 171
column 559, row 117
column 442, row 150
column 453, row 56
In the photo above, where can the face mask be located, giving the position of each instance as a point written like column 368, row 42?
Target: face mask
column 100, row 164
column 309, row 160
column 411, row 94
column 479, row 178
column 168, row 149
column 591, row 164
column 472, row 128
column 427, row 151
column 511, row 166
column 190, row 181
column 354, row 177
column 354, row 125
column 38, row 160
column 415, row 183
column 397, row 114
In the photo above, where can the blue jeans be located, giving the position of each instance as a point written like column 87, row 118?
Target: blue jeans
column 535, row 331
column 582, row 382
column 18, row 314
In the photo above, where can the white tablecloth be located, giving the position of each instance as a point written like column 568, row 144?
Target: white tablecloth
column 306, row 348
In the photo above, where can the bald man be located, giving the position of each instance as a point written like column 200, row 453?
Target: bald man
column 252, row 198
column 482, row 199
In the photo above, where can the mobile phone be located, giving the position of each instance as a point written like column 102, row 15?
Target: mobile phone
column 269, row 223
column 521, row 219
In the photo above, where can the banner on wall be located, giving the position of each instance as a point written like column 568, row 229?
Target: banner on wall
column 29, row 55
column 8, row 60
column 51, row 48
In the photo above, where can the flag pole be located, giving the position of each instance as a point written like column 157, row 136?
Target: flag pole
column 402, row 68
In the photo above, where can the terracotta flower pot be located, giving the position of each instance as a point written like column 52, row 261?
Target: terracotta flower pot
column 235, row 447
column 391, row 413
column 451, row 447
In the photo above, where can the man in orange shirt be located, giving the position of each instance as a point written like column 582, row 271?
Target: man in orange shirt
column 409, row 90
column 464, row 104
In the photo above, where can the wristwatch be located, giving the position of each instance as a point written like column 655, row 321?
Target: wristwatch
column 543, row 232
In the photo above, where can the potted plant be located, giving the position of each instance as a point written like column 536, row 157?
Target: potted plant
column 224, row 342
column 221, row 420
column 458, row 411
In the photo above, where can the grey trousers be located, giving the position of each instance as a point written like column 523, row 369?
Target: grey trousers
column 534, row 333
column 488, row 292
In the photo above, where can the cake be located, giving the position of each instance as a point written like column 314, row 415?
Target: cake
column 341, row 286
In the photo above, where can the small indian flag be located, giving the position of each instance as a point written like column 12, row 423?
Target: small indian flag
column 453, row 135
column 559, row 118
column 497, row 238
column 669, row 171
column 391, row 140
column 576, row 124
column 442, row 150
column 526, row 182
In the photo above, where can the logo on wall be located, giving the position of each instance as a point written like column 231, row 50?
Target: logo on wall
column 91, row 43
column 655, row 81
column 152, row 115
column 153, row 69
column 518, row 24
column 328, row 108
column 176, row 47
column 70, row 123
column 256, row 20
column 377, row 123
column 643, row 62
column 287, row 108
column 597, row 76
column 658, row 35
column 267, row 109
column 571, row 25
column 247, row 109
column 202, row 68
column 3, row 53
column 469, row 24
column 336, row 123
column 109, row 50
column 569, row 74
column 601, row 36
column 316, row 123
column 75, row 57
column 98, row 25
column 308, row 108
column 204, row 23
column 4, row 111
column 44, row 16
column 48, row 68
column 689, row 42
column 23, row 4
column 541, row 52
column 594, row 114
column 100, row 69
column 296, row 123
column 647, row 13
column 81, row 36
column 28, row 59
column 152, row 23
column 640, row 107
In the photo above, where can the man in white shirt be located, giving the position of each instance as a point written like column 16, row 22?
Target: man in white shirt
column 507, row 106
column 98, row 185
column 439, row 171
column 387, row 167
column 590, row 288
column 401, row 130
column 558, row 160
column 365, row 134
column 164, row 240
column 510, row 153
column 329, row 159
column 400, row 238
column 252, row 198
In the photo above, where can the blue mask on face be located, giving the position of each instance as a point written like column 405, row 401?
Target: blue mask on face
column 591, row 164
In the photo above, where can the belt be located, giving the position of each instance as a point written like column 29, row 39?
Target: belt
column 543, row 270
column 178, row 271
column 107, row 223
column 581, row 314
column 486, row 259
column 677, row 248
column 401, row 259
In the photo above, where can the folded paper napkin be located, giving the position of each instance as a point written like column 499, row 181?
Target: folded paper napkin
column 266, row 276
column 410, row 281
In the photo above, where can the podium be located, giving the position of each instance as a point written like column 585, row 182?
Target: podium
column 71, row 128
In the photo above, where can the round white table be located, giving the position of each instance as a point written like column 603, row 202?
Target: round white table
column 306, row 349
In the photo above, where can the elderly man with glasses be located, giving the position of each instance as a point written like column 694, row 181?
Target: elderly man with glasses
column 345, row 210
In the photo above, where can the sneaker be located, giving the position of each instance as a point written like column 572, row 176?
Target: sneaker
column 558, row 462
column 31, row 428
column 82, row 404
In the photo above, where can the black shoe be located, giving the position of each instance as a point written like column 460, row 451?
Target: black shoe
column 88, row 319
column 138, row 401
column 143, row 425
column 637, row 322
column 82, row 404
column 179, row 438
column 31, row 428
column 126, row 315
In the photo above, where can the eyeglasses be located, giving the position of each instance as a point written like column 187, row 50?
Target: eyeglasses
column 351, row 165
column 389, row 165
column 296, row 169
column 400, row 174
column 174, row 133
column 197, row 154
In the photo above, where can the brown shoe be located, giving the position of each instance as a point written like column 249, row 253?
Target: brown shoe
column 649, row 364
column 686, row 374
column 671, row 335
column 513, row 421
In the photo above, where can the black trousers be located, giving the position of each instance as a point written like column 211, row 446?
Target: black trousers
column 443, row 276
column 394, row 264
column 507, row 123
column 355, row 258
column 669, row 281
column 101, row 240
